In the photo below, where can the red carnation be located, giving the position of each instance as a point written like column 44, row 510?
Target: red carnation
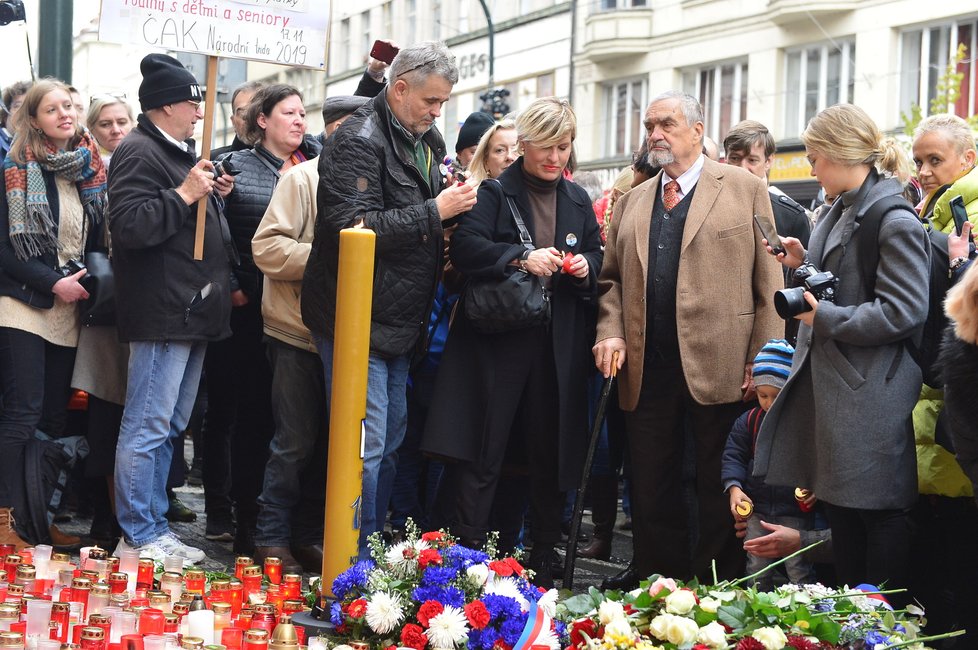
column 749, row 643
column 429, row 609
column 433, row 536
column 357, row 608
column 501, row 645
column 428, row 556
column 700, row 646
column 413, row 636
column 477, row 614
column 501, row 568
column 580, row 628
column 516, row 566
column 800, row 643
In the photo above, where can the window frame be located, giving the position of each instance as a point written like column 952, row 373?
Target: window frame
column 794, row 124
column 713, row 110
column 928, row 72
column 610, row 94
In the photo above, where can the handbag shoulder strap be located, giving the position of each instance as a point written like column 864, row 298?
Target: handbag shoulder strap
column 525, row 238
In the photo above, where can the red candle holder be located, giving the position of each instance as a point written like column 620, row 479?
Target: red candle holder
column 273, row 570
column 240, row 563
column 231, row 638
column 7, row 549
column 151, row 621
column 92, row 638
column 194, row 581
column 10, row 564
column 235, row 596
column 118, row 582
column 251, row 579
column 59, row 616
column 131, row 642
column 144, row 574
column 291, row 586
column 256, row 639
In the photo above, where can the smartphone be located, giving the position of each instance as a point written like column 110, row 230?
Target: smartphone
column 384, row 51
column 770, row 234
column 958, row 213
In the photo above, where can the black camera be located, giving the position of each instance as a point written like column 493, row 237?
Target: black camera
column 72, row 267
column 224, row 166
column 11, row 11
column 822, row 285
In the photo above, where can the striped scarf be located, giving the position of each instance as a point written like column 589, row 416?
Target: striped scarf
column 33, row 230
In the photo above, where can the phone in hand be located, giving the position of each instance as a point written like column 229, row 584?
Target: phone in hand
column 384, row 51
column 770, row 234
column 958, row 213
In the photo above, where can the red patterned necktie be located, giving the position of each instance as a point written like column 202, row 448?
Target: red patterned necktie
column 670, row 197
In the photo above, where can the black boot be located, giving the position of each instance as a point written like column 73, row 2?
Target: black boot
column 623, row 581
column 540, row 562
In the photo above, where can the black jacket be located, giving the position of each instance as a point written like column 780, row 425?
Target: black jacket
column 162, row 293
column 30, row 281
column 959, row 370
column 237, row 144
column 367, row 173
column 471, row 396
column 246, row 204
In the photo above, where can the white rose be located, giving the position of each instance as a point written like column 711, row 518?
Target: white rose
column 681, row 630
column 618, row 628
column 710, row 605
column 772, row 637
column 610, row 610
column 680, row 602
column 713, row 635
column 657, row 626
column 478, row 574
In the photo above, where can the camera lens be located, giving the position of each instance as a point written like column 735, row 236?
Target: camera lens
column 791, row 302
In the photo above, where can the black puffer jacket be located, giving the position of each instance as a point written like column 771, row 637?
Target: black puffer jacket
column 367, row 172
column 246, row 204
column 162, row 292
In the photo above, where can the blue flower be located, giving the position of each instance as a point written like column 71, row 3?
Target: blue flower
column 438, row 575
column 444, row 595
column 874, row 637
column 463, row 555
column 336, row 614
column 356, row 576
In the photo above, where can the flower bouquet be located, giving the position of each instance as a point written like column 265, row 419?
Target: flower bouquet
column 669, row 615
column 429, row 592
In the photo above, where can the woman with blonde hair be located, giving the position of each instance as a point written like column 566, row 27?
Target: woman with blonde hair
column 526, row 386
column 495, row 152
column 841, row 426
column 109, row 119
column 51, row 208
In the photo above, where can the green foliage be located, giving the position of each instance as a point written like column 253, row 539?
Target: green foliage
column 948, row 91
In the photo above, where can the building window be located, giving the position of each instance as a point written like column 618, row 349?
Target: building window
column 387, row 18
column 366, row 43
column 614, row 5
column 817, row 76
column 625, row 105
column 924, row 56
column 342, row 50
column 722, row 91
column 411, row 15
column 545, row 85
column 436, row 20
column 463, row 17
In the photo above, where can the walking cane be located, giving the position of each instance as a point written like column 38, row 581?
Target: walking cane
column 575, row 527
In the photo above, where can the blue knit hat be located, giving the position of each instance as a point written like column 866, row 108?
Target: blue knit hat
column 772, row 365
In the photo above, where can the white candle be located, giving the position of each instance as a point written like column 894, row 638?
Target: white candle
column 200, row 623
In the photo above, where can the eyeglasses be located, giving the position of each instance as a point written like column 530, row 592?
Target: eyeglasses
column 193, row 103
column 121, row 97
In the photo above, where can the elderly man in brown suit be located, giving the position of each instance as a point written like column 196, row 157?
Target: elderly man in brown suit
column 686, row 301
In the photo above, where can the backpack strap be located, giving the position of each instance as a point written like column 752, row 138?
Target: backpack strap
column 754, row 417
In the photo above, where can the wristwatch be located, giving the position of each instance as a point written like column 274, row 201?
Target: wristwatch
column 957, row 263
column 523, row 257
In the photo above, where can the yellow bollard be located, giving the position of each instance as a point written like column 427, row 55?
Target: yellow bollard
column 348, row 404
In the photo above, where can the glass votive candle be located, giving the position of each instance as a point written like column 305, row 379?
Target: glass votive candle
column 231, row 638
column 92, row 638
column 98, row 598
column 118, row 582
column 123, row 623
column 273, row 570
column 251, row 579
column 60, row 613
column 195, row 581
column 222, row 615
column 11, row 640
column 131, row 642
column 240, row 563
column 171, row 623
column 236, row 596
column 154, row 642
column 291, row 587
column 102, row 621
column 144, row 573
column 256, row 639
column 10, row 564
column 172, row 583
column 192, row 643
column 151, row 621
column 159, row 600
column 173, row 563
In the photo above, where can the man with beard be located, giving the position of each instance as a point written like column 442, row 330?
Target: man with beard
column 686, row 300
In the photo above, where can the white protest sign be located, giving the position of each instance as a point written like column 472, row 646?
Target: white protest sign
column 290, row 32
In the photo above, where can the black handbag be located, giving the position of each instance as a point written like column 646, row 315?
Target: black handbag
column 99, row 307
column 518, row 301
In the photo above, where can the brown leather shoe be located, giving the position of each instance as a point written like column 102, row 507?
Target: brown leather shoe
column 8, row 534
column 289, row 563
column 62, row 539
column 597, row 549
column 310, row 557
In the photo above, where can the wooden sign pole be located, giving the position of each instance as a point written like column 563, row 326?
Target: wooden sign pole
column 210, row 103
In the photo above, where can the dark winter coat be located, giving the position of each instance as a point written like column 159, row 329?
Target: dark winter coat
column 367, row 174
column 162, row 293
column 841, row 425
column 246, row 204
column 31, row 281
column 473, row 364
column 959, row 368
column 737, row 467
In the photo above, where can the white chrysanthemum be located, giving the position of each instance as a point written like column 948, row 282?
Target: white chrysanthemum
column 447, row 629
column 478, row 574
column 547, row 638
column 507, row 587
column 610, row 610
column 773, row 638
column 396, row 560
column 384, row 612
column 713, row 635
column 548, row 603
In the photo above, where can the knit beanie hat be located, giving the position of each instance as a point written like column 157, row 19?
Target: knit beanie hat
column 165, row 81
column 772, row 365
column 473, row 128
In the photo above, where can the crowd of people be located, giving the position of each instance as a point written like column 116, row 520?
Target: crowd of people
column 732, row 420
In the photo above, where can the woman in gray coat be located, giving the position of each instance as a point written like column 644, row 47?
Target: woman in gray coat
column 842, row 424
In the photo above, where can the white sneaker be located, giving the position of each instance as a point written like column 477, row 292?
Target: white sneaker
column 172, row 545
column 150, row 550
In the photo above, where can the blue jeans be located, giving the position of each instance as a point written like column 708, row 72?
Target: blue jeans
column 296, row 450
column 163, row 380
column 384, row 429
